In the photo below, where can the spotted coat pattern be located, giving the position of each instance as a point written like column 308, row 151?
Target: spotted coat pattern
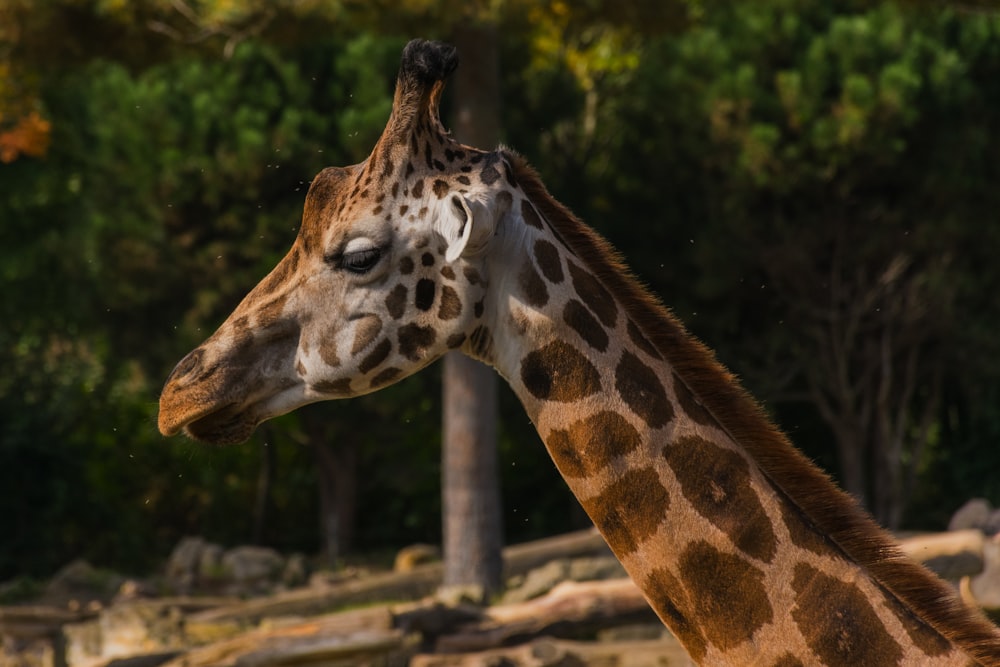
column 430, row 245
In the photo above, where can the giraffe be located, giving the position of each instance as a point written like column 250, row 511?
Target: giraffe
column 745, row 549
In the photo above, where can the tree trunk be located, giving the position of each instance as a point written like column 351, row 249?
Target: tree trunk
column 472, row 524
column 470, row 484
column 336, row 474
column 851, row 455
column 265, row 477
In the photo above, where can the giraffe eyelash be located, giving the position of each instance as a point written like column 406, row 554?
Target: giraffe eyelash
column 358, row 262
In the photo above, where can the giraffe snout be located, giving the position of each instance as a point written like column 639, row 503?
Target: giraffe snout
column 180, row 395
column 186, row 366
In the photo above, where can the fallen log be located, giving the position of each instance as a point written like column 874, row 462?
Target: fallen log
column 983, row 589
column 330, row 639
column 376, row 633
column 349, row 651
column 315, row 600
column 519, row 558
column 571, row 609
column 950, row 555
column 547, row 652
column 35, row 621
column 419, row 582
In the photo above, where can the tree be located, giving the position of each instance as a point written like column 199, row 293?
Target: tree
column 826, row 149
column 472, row 526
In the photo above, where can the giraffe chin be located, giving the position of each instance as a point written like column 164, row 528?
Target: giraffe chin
column 227, row 426
column 234, row 423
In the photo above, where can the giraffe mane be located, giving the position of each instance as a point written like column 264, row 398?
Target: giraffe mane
column 819, row 501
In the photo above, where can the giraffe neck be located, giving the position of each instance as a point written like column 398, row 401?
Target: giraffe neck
column 703, row 509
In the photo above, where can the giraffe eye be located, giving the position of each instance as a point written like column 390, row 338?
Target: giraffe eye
column 360, row 261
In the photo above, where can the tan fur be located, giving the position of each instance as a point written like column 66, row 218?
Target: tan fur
column 830, row 510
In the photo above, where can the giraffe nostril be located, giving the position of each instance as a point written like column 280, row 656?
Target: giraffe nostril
column 187, row 365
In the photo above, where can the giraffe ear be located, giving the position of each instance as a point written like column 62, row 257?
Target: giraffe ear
column 467, row 226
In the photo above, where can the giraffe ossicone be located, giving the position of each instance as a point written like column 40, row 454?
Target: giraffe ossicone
column 744, row 549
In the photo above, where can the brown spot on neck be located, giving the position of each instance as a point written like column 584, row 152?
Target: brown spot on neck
column 629, row 510
column 690, row 405
column 549, row 261
column 532, row 285
column 670, row 600
column 576, row 315
column 594, row 294
column 641, row 341
column 727, row 594
column 788, row 660
column 530, row 215
column 642, row 391
column 559, row 372
column 591, row 444
column 716, row 482
column 839, row 623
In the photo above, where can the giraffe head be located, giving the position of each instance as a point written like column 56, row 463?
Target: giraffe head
column 385, row 276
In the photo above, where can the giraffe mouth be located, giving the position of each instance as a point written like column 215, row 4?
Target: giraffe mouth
column 229, row 425
column 233, row 423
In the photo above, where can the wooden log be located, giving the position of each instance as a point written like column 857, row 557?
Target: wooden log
column 145, row 660
column 519, row 558
column 361, row 635
column 983, row 589
column 571, row 609
column 951, row 555
column 349, row 651
column 419, row 582
column 547, row 652
column 324, row 640
column 315, row 600
column 36, row 621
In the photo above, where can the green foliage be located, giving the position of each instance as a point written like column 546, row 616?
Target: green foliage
column 166, row 195
column 822, row 149
column 737, row 154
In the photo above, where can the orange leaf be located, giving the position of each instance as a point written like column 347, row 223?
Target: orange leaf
column 30, row 136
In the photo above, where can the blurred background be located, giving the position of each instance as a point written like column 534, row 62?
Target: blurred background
column 814, row 188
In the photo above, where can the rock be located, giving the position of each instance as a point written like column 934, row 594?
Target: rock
column 973, row 514
column 134, row 628
column 296, row 572
column 197, row 564
column 416, row 554
column 210, row 567
column 141, row 627
column 183, row 564
column 992, row 525
column 252, row 568
column 126, row 629
column 81, row 585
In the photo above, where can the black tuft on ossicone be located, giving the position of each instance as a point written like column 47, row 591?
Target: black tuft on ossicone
column 428, row 62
